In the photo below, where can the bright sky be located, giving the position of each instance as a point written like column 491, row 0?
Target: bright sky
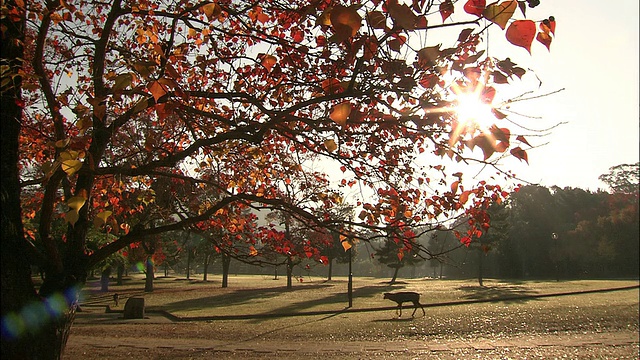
column 594, row 57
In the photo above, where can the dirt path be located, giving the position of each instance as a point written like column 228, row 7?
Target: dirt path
column 618, row 345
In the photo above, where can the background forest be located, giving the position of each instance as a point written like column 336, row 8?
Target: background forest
column 539, row 232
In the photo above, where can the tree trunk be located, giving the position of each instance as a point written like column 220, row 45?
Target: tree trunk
column 104, row 279
column 188, row 263
column 206, row 266
column 148, row 284
column 289, row 273
column 395, row 275
column 120, row 272
column 480, row 263
column 226, row 261
column 330, row 268
column 275, row 276
column 15, row 275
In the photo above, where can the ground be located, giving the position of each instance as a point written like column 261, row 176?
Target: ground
column 257, row 318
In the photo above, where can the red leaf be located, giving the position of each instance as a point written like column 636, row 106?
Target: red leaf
column 488, row 93
column 520, row 154
column 446, row 9
column 521, row 138
column 545, row 39
column 552, row 24
column 475, row 7
column 464, row 35
column 521, row 33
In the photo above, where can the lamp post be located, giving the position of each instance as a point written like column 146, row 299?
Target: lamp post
column 350, row 286
column 554, row 236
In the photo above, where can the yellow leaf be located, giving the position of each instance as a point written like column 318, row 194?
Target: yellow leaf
column 324, row 18
column 102, row 217
column 97, row 222
column 145, row 68
column 62, row 143
column 49, row 166
column 340, row 113
column 252, row 251
column 72, row 217
column 76, row 202
column 500, row 14
column 330, row 145
column 140, row 105
column 212, row 11
column 71, row 166
column 68, row 155
column 122, row 81
column 83, row 124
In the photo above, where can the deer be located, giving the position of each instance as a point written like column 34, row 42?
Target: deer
column 405, row 296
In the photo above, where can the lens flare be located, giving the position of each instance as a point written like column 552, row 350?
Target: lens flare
column 472, row 111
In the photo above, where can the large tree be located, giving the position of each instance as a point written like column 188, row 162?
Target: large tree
column 123, row 98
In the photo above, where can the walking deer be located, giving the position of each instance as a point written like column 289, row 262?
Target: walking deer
column 405, row 296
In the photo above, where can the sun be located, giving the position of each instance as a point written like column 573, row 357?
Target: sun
column 471, row 111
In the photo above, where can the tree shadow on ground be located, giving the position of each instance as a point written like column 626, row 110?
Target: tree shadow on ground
column 511, row 293
column 336, row 298
column 235, row 297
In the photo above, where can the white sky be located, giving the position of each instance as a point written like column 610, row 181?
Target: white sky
column 595, row 58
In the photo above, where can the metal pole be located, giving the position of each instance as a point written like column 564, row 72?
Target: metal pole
column 350, row 286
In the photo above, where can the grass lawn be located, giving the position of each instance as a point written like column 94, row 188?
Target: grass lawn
column 256, row 310
column 261, row 295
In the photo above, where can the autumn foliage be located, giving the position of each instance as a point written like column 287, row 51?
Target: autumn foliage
column 143, row 117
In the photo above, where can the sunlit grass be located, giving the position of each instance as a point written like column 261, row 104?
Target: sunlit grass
column 258, row 294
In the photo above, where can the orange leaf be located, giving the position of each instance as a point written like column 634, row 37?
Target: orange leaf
column 340, row 113
column 253, row 251
column 400, row 256
column 268, row 61
column 212, row 11
column 454, row 186
column 446, row 9
column 331, row 86
column 545, row 39
column 521, row 33
column 330, row 145
column 157, row 90
column 464, row 196
column 345, row 22
column 500, row 14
